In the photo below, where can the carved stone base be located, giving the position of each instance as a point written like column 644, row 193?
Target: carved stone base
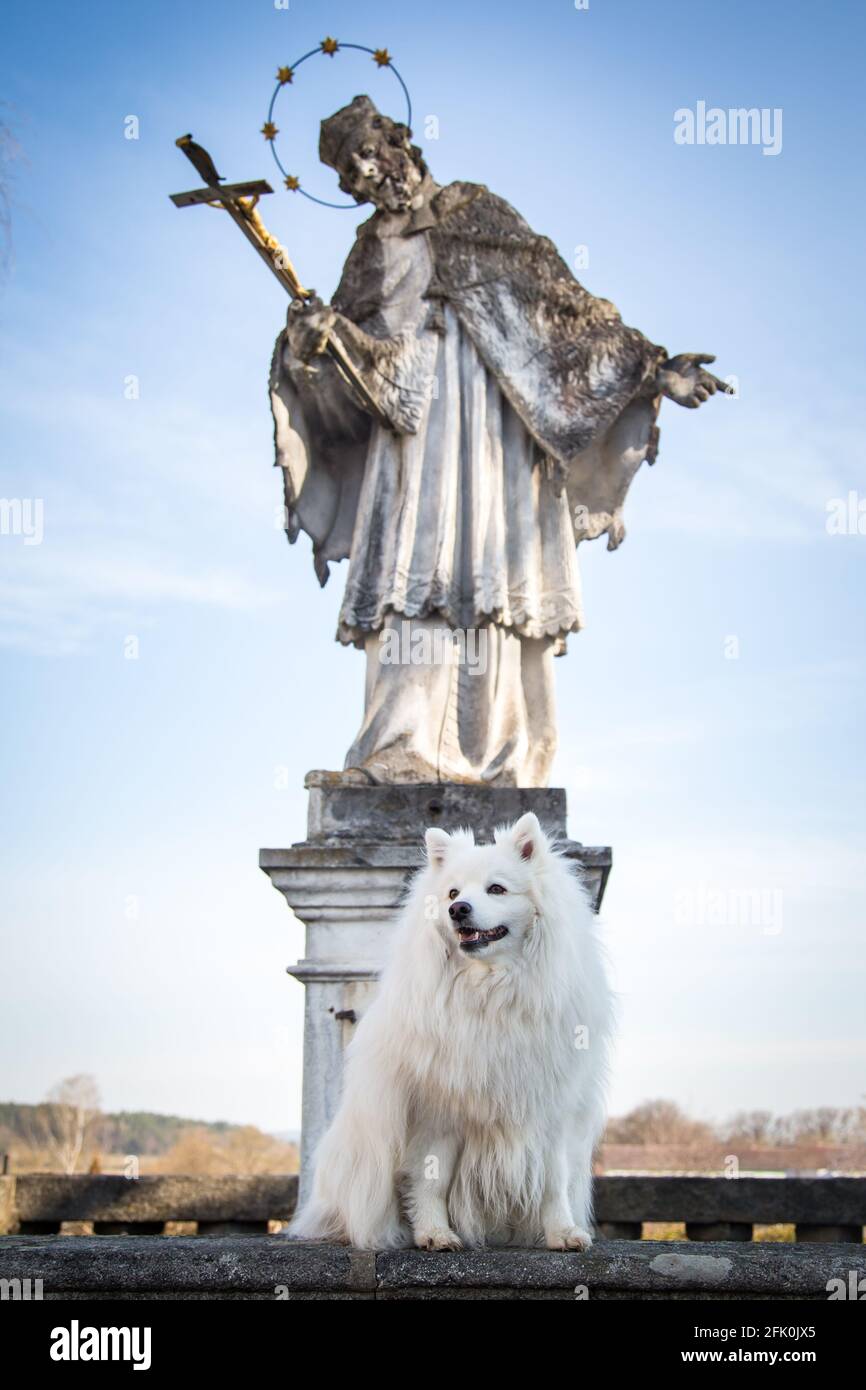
column 345, row 882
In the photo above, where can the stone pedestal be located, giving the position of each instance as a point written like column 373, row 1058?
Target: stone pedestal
column 345, row 882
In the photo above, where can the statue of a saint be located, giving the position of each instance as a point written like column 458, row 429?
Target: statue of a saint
column 513, row 409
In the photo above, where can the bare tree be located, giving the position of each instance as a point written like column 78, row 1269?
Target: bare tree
column 750, row 1127
column 196, row 1151
column 657, row 1122
column 242, row 1150
column 248, row 1150
column 858, row 1125
column 65, row 1123
column 823, row 1125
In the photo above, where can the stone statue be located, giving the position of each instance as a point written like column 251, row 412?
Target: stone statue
column 504, row 412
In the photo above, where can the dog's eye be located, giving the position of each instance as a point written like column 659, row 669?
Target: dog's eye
column 453, row 893
column 497, row 888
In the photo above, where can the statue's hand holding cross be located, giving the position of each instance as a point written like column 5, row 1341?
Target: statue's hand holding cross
column 309, row 327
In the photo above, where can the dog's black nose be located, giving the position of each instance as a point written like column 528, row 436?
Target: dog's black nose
column 457, row 911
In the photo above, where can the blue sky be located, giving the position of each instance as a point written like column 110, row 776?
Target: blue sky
column 141, row 942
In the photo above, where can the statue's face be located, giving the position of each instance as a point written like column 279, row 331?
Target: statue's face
column 379, row 168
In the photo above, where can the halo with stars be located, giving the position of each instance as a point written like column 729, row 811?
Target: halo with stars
column 285, row 76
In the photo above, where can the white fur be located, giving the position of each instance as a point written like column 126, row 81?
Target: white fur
column 472, row 1101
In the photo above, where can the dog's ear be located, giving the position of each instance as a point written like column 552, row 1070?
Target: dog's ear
column 527, row 836
column 437, row 842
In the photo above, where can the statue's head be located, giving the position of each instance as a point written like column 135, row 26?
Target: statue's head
column 373, row 155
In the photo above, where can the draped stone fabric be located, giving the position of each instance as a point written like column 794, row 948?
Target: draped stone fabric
column 564, row 357
column 488, row 715
column 465, row 513
column 458, row 518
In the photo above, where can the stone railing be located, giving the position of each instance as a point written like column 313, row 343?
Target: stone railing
column 38, row 1262
column 39, row 1203
column 823, row 1210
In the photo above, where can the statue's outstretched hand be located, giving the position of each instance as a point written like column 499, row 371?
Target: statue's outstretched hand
column 308, row 327
column 684, row 380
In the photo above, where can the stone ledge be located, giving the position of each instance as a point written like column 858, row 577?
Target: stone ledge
column 350, row 881
column 197, row 1267
column 403, row 811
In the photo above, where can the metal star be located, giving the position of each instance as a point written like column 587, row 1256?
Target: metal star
column 330, row 46
column 269, row 130
column 292, row 183
column 285, row 75
column 382, row 57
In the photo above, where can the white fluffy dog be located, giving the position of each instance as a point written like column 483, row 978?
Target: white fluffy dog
column 473, row 1091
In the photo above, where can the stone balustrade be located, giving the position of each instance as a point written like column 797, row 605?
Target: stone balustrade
column 823, row 1210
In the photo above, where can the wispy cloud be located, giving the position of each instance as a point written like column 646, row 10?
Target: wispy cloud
column 56, row 603
column 761, row 473
column 139, row 498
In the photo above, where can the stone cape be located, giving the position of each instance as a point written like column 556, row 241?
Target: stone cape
column 580, row 380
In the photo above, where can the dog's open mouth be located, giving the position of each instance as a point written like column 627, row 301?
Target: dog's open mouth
column 472, row 938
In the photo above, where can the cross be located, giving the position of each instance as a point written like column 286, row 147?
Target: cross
column 239, row 201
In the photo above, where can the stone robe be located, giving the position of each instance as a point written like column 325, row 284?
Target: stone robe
column 460, row 519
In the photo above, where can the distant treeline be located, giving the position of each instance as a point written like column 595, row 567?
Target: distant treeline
column 129, row 1131
column 663, row 1122
column 655, row 1122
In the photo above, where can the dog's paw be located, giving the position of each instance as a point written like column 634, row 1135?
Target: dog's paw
column 571, row 1238
column 440, row 1238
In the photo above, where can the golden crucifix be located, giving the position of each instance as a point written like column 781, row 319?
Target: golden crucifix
column 239, row 200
